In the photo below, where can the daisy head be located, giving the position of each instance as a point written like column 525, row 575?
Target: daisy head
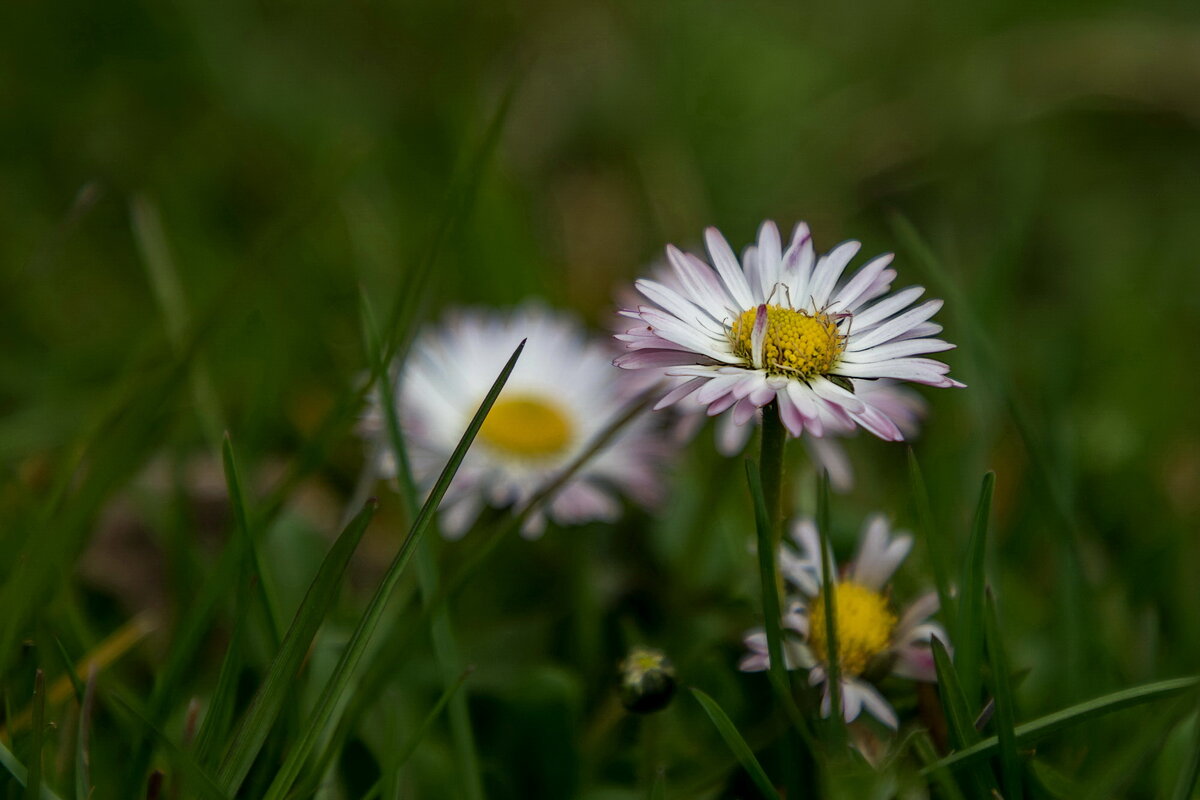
column 778, row 326
column 873, row 638
column 562, row 394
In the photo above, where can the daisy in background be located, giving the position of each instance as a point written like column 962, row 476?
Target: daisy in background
column 873, row 640
column 561, row 395
column 776, row 326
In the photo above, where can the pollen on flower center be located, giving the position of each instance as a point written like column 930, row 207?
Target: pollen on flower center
column 864, row 626
column 797, row 344
column 526, row 426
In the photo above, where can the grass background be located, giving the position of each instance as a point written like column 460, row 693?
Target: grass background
column 294, row 154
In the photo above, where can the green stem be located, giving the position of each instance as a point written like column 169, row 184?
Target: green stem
column 770, row 466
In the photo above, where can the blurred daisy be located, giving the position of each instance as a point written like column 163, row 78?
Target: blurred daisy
column 872, row 640
column 776, row 327
column 561, row 395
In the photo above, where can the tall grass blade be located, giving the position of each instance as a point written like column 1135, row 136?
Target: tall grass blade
column 737, row 745
column 958, row 718
column 268, row 701
column 968, row 644
column 198, row 779
column 83, row 741
column 15, row 768
column 1077, row 714
column 241, row 519
column 1006, row 710
column 217, row 719
column 33, row 785
column 339, row 682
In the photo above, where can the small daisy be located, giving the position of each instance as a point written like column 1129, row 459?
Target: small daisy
column 561, row 395
column 776, row 327
column 872, row 639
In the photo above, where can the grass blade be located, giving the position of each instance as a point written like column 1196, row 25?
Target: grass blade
column 942, row 777
column 83, row 752
column 241, row 521
column 199, row 780
column 935, row 548
column 268, row 701
column 737, row 745
column 418, row 735
column 1073, row 715
column 1006, row 713
column 19, row 773
column 33, row 786
column 968, row 644
column 215, row 727
column 954, row 704
column 343, row 674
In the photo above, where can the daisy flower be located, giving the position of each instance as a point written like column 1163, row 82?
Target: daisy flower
column 872, row 639
column 776, row 326
column 561, row 395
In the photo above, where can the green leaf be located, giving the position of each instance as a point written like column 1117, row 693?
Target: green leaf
column 344, row 673
column 1074, row 715
column 279, row 683
column 968, row 644
column 737, row 745
column 1006, row 713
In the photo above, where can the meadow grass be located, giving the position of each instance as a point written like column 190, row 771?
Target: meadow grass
column 221, row 226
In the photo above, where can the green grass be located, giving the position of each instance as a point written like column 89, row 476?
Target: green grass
column 220, row 217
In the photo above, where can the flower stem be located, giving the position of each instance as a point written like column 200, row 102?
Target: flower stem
column 770, row 466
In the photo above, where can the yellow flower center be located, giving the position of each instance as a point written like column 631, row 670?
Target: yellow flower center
column 864, row 626
column 526, row 426
column 797, row 344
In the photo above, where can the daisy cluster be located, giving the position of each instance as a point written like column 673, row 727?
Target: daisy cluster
column 778, row 330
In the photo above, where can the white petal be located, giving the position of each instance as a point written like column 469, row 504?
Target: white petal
column 728, row 268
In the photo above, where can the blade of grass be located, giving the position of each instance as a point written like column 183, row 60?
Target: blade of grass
column 934, row 547
column 1006, row 708
column 241, row 520
column 441, row 627
column 214, row 729
column 737, row 745
column 33, row 785
column 198, row 778
column 419, row 734
column 343, row 674
column 923, row 746
column 19, row 773
column 968, row 644
column 1185, row 787
column 268, row 701
column 164, row 281
column 83, row 752
column 1079, row 713
column 958, row 719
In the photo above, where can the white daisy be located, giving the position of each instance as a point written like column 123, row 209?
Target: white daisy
column 775, row 327
column 872, row 640
column 561, row 395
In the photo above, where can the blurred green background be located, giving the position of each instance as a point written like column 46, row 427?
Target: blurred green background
column 1046, row 154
